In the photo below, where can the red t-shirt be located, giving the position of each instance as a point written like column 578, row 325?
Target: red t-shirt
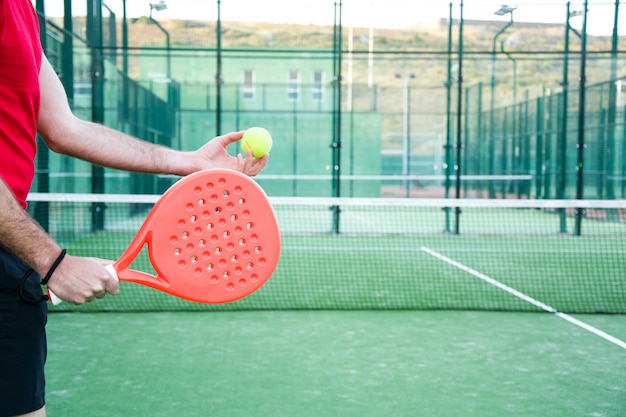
column 20, row 61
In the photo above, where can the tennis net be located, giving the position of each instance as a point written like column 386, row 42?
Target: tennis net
column 385, row 253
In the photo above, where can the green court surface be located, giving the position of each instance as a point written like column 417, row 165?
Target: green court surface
column 392, row 315
column 573, row 275
column 334, row 363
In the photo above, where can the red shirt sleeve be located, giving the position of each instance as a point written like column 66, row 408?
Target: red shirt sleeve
column 20, row 61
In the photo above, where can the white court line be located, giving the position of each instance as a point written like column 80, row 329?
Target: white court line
column 527, row 298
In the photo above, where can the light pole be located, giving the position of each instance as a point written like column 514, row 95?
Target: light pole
column 516, row 141
column 406, row 127
column 218, row 76
column 502, row 11
column 580, row 144
column 562, row 149
column 612, row 113
column 158, row 7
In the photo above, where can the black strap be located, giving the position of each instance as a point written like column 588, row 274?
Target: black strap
column 27, row 274
column 54, row 266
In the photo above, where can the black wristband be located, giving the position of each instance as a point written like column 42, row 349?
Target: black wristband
column 53, row 267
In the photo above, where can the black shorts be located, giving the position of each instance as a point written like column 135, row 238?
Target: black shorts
column 23, row 318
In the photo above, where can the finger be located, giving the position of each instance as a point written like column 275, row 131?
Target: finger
column 258, row 164
column 229, row 138
column 248, row 162
column 111, row 284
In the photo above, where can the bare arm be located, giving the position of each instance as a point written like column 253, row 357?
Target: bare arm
column 23, row 236
column 65, row 133
column 83, row 278
column 78, row 279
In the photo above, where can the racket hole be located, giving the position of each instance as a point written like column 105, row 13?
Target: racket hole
column 249, row 225
column 218, row 250
column 176, row 251
column 241, row 201
column 201, row 202
column 201, row 242
column 185, row 235
column 234, row 258
column 210, row 267
column 194, row 259
column 193, row 218
column 250, row 265
column 218, row 210
column 226, row 274
column 233, row 218
column 226, row 234
column 242, row 242
column 225, row 193
column 210, row 226
column 257, row 249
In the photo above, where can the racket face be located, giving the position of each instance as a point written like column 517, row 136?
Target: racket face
column 213, row 237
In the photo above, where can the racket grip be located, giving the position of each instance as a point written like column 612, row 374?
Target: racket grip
column 53, row 298
column 56, row 300
column 112, row 271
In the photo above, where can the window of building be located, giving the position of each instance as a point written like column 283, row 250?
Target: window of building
column 293, row 85
column 317, row 86
column 248, row 89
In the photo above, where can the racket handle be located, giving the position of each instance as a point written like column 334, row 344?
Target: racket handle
column 56, row 300
column 112, row 271
column 53, row 298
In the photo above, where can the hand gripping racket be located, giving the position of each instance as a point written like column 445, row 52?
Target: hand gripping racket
column 212, row 237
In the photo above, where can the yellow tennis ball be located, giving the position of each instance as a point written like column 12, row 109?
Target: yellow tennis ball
column 257, row 139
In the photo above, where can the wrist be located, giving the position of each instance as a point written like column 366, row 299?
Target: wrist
column 53, row 267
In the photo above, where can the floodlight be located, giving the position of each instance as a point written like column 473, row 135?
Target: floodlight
column 158, row 6
column 505, row 9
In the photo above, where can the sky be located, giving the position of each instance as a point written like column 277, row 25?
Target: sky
column 393, row 14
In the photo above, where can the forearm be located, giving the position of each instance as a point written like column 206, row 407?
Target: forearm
column 63, row 132
column 104, row 146
column 21, row 235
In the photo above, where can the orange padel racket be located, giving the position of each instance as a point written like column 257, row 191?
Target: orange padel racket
column 212, row 237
